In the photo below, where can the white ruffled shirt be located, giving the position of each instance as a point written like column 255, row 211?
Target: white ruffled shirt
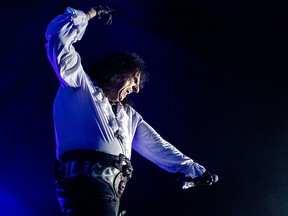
column 83, row 116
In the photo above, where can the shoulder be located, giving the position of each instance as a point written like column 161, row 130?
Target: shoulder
column 131, row 111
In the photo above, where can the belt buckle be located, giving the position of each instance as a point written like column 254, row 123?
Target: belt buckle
column 120, row 184
column 121, row 179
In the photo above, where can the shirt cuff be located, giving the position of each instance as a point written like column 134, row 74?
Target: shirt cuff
column 79, row 19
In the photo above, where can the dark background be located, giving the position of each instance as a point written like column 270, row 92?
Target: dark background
column 217, row 91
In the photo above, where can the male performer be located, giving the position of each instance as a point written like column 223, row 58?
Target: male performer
column 96, row 128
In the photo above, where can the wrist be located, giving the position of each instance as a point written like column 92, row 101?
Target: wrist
column 91, row 13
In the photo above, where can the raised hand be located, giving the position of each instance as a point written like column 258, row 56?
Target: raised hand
column 105, row 13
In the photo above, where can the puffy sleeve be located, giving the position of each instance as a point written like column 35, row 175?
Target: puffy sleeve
column 152, row 146
column 61, row 33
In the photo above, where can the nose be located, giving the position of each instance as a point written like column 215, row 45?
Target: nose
column 136, row 88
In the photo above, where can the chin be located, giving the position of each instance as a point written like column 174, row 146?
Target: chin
column 122, row 98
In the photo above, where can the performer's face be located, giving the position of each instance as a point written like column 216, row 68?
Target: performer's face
column 129, row 86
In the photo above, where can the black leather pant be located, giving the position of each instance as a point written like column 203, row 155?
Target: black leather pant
column 90, row 183
column 86, row 196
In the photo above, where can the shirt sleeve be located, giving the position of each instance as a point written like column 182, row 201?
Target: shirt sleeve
column 61, row 33
column 152, row 146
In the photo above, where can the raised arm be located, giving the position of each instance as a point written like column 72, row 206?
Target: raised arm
column 62, row 32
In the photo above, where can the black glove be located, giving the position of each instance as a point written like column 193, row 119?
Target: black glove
column 104, row 12
column 205, row 179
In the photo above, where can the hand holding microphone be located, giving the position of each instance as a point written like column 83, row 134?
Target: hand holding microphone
column 205, row 179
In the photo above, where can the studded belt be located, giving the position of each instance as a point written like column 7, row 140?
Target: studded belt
column 114, row 170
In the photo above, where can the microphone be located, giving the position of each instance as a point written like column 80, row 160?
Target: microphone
column 205, row 179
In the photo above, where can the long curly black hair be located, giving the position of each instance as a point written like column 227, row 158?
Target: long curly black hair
column 113, row 69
